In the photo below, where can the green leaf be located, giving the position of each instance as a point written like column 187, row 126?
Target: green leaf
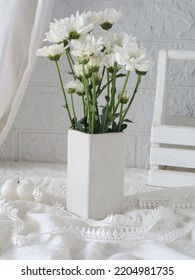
column 103, row 115
column 99, row 91
column 107, row 97
column 80, row 127
column 127, row 120
column 117, row 115
column 113, row 117
column 121, row 75
column 82, row 124
column 97, row 126
column 123, row 127
column 70, row 73
column 114, row 127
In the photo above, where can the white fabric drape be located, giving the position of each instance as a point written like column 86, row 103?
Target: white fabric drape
column 22, row 26
column 156, row 224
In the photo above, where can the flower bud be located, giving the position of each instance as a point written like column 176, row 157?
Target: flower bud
column 84, row 59
column 71, row 90
column 123, row 99
column 98, row 77
column 94, row 68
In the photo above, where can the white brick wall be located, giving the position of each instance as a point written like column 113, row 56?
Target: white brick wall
column 40, row 130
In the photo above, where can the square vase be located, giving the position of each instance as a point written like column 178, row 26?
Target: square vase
column 95, row 173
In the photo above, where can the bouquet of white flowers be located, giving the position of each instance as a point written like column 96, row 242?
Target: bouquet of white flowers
column 99, row 64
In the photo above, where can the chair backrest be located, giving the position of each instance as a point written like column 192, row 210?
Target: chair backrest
column 172, row 153
column 160, row 105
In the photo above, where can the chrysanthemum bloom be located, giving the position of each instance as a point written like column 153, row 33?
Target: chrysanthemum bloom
column 108, row 17
column 86, row 46
column 75, row 86
column 133, row 58
column 78, row 68
column 69, row 28
column 53, row 52
column 95, row 62
column 111, row 41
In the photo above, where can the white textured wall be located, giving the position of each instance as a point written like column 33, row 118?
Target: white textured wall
column 40, row 129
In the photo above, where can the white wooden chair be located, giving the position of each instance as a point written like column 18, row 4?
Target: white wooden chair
column 172, row 152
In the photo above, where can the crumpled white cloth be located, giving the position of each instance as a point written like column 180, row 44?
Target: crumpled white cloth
column 156, row 224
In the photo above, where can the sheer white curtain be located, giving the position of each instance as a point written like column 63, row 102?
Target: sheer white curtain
column 22, row 26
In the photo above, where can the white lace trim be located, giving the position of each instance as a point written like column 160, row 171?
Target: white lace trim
column 114, row 228
column 177, row 233
column 167, row 203
column 49, row 199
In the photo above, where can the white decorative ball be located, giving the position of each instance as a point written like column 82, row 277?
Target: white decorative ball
column 8, row 190
column 25, row 189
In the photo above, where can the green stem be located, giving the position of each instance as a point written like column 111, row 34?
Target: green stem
column 113, row 90
column 73, row 73
column 73, row 109
column 122, row 91
column 120, row 118
column 113, row 85
column 97, row 111
column 94, row 103
column 83, row 100
column 71, row 67
column 107, row 103
column 70, row 56
column 133, row 96
column 70, row 62
column 103, row 71
column 86, row 87
column 64, row 94
column 108, row 86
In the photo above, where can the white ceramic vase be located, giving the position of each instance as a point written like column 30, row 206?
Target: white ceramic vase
column 95, row 173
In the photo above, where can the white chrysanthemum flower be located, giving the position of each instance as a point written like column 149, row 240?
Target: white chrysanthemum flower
column 57, row 33
column 109, row 60
column 78, row 68
column 90, row 17
column 55, row 37
column 87, row 46
column 75, row 86
column 95, row 62
column 69, row 28
column 98, row 77
column 53, row 52
column 133, row 58
column 123, row 98
column 111, row 41
column 108, row 17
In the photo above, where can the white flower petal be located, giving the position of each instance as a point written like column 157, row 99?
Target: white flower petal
column 74, row 86
column 61, row 30
column 87, row 45
column 109, row 15
column 51, row 51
